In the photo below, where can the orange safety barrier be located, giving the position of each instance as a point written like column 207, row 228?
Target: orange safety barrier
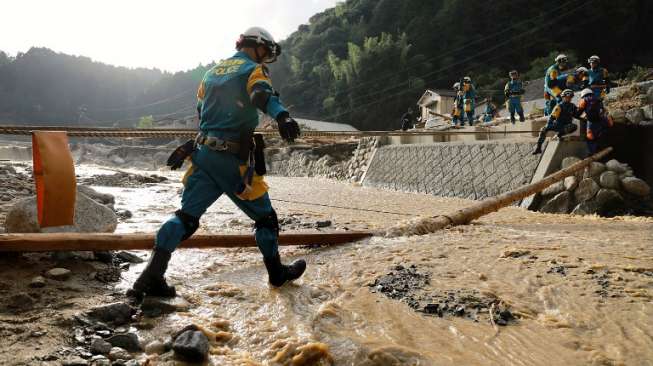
column 54, row 176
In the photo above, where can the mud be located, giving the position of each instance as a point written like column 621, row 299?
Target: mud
column 597, row 313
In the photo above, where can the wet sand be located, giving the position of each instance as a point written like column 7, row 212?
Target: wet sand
column 579, row 287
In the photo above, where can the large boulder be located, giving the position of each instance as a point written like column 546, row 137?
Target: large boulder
column 569, row 161
column 636, row 186
column 649, row 94
column 617, row 167
column 608, row 199
column 553, row 189
column 561, row 203
column 635, row 115
column 586, row 190
column 648, row 112
column 618, row 116
column 90, row 217
column 586, row 208
column 191, row 346
column 609, row 180
column 102, row 198
column 594, row 170
column 571, row 183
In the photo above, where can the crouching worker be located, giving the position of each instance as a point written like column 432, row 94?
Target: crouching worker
column 598, row 120
column 227, row 159
column 560, row 120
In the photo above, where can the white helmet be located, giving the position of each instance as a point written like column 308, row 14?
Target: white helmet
column 594, row 58
column 581, row 69
column 467, row 79
column 567, row 93
column 585, row 92
column 456, row 86
column 257, row 36
column 561, row 58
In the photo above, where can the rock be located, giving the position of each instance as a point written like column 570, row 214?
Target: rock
column 635, row 115
column 118, row 313
column 561, row 203
column 636, row 186
column 102, row 198
column 74, row 361
column 569, row 161
column 609, row 180
column 155, row 348
column 124, row 214
column 608, row 199
column 127, row 341
column 59, row 274
column 132, row 363
column 618, row 116
column 322, row 224
column 571, row 183
column 587, row 189
column 595, row 169
column 191, row 346
column 553, row 189
column 616, row 166
column 117, row 160
column 648, row 111
column 100, row 347
column 164, row 305
column 90, row 216
column 37, row 282
column 649, row 94
column 586, row 208
column 100, row 360
column 118, row 353
column 125, row 256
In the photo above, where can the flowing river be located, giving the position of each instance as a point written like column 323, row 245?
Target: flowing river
column 579, row 288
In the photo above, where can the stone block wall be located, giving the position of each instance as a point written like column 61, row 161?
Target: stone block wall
column 474, row 170
column 361, row 159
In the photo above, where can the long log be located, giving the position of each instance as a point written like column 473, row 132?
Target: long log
column 53, row 242
column 464, row 216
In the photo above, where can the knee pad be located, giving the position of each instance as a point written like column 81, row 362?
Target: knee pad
column 191, row 223
column 269, row 221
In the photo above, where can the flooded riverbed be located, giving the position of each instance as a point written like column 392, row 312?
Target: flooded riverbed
column 579, row 289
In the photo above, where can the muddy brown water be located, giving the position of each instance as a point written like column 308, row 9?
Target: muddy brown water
column 580, row 287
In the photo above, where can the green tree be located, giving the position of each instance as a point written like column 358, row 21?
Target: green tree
column 145, row 122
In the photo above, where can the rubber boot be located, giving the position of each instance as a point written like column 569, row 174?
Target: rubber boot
column 521, row 117
column 151, row 281
column 512, row 118
column 279, row 274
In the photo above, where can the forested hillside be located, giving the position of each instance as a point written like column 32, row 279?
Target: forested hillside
column 44, row 87
column 366, row 61
column 363, row 62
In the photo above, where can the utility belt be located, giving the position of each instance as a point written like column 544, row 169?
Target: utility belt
column 249, row 149
column 217, row 144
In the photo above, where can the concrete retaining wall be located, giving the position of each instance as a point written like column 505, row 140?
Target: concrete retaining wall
column 473, row 170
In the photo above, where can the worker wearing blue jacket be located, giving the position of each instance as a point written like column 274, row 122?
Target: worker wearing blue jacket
column 554, row 83
column 598, row 78
column 225, row 160
column 513, row 91
column 469, row 95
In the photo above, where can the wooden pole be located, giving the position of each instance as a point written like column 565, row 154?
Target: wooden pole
column 464, row 216
column 53, row 242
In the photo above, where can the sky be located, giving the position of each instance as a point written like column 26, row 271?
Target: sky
column 164, row 34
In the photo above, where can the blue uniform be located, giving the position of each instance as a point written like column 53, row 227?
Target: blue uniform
column 598, row 121
column 513, row 91
column 598, row 81
column 458, row 115
column 227, row 113
column 490, row 111
column 468, row 101
column 560, row 121
column 554, row 83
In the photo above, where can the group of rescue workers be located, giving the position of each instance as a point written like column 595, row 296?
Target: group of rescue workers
column 226, row 157
column 559, row 87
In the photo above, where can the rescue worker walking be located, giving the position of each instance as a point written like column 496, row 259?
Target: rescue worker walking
column 223, row 161
column 598, row 78
column 513, row 91
column 554, row 83
column 469, row 94
column 560, row 120
column 457, row 114
column 598, row 120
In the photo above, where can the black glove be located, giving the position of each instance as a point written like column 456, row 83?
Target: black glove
column 288, row 127
column 177, row 158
